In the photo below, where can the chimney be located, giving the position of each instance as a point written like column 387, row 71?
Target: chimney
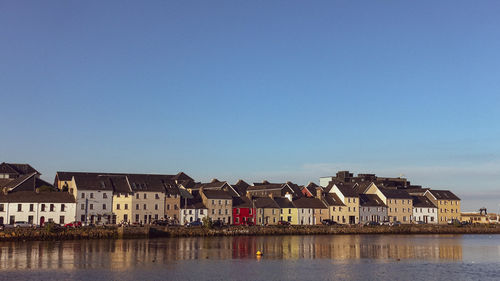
column 214, row 181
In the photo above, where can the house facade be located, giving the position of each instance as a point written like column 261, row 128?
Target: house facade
column 336, row 209
column 399, row 203
column 219, row 204
column 349, row 197
column 288, row 211
column 244, row 211
column 268, row 211
column 192, row 210
column 372, row 209
column 424, row 210
column 448, row 205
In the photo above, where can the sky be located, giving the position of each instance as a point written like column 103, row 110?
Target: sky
column 276, row 90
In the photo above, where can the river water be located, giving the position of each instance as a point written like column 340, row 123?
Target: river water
column 315, row 257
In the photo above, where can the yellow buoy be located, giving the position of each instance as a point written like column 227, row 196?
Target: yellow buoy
column 259, row 253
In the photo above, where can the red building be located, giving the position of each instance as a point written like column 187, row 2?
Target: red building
column 243, row 211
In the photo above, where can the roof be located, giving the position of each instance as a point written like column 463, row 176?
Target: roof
column 216, row 194
column 371, row 200
column 416, row 191
column 217, row 185
column 422, row 202
column 347, row 189
column 241, row 187
column 395, row 193
column 33, row 197
column 284, row 202
column 266, row 202
column 361, row 187
column 333, row 200
column 311, row 188
column 269, row 186
column 242, row 202
column 193, row 203
column 443, row 194
column 14, row 168
column 313, row 203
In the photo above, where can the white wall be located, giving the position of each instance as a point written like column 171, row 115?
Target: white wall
column 324, row 181
column 420, row 213
column 11, row 209
column 96, row 203
column 196, row 214
column 306, row 216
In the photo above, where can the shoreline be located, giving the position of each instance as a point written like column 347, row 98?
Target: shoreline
column 114, row 232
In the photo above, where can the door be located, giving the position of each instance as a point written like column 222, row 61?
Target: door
column 42, row 220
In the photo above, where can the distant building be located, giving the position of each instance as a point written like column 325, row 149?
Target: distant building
column 192, row 210
column 399, row 203
column 424, row 210
column 244, row 211
column 448, row 205
column 372, row 209
column 268, row 211
column 219, row 204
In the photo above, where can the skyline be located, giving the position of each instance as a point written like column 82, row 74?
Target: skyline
column 256, row 91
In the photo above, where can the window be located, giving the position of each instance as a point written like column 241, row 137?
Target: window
column 137, row 196
column 137, row 217
column 250, row 211
column 104, row 206
column 126, row 206
column 220, row 211
column 237, row 220
column 19, row 207
column 213, row 211
column 83, row 195
column 156, row 206
column 137, row 206
column 349, row 200
column 145, row 196
column 52, row 207
column 83, row 207
column 1, row 208
column 61, row 219
column 190, row 212
column 237, row 211
column 91, row 195
column 213, row 202
column 354, row 209
column 31, row 207
column 157, row 196
column 348, row 209
column 226, row 211
column 333, row 209
column 175, row 207
column 168, row 206
column 201, row 212
column 144, row 206
column 126, row 195
column 220, row 202
column 63, row 208
column 91, row 206
column 289, row 211
column 118, row 206
column 105, row 196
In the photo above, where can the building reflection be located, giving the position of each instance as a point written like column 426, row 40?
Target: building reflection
column 126, row 254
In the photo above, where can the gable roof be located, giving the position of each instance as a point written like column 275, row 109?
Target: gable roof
column 332, row 199
column 312, row 203
column 34, row 197
column 395, row 193
column 242, row 202
column 241, row 187
column 193, row 203
column 266, row 202
column 347, row 189
column 443, row 194
column 422, row 202
column 216, row 194
column 284, row 202
column 14, row 168
column 371, row 200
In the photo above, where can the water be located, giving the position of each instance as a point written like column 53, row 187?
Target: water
column 315, row 257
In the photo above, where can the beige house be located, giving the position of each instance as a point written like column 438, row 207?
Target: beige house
column 268, row 211
column 337, row 211
column 399, row 203
column 348, row 195
column 448, row 205
column 219, row 204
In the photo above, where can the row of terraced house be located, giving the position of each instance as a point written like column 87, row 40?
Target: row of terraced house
column 112, row 198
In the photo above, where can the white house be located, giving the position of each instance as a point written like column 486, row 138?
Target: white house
column 424, row 210
column 192, row 210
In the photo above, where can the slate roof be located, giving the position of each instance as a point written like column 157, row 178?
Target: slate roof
column 311, row 187
column 216, row 194
column 348, row 189
column 395, row 193
column 370, row 200
column 20, row 169
column 443, row 194
column 266, row 202
column 333, row 200
column 193, row 203
column 312, row 203
column 242, row 202
column 33, row 197
column 422, row 202
column 241, row 187
column 284, row 202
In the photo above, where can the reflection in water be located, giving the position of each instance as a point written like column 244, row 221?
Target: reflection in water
column 126, row 254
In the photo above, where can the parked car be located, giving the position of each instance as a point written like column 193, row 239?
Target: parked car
column 454, row 222
column 386, row 223
column 22, row 224
column 395, row 223
column 371, row 223
column 217, row 223
column 160, row 222
column 283, row 223
column 73, row 224
column 194, row 223
column 328, row 222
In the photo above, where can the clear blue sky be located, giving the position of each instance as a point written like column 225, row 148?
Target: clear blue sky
column 277, row 90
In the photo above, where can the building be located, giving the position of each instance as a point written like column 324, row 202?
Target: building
column 192, row 210
column 266, row 189
column 399, row 203
column 219, row 204
column 305, row 210
column 424, row 210
column 268, row 211
column 288, row 211
column 448, row 205
column 371, row 209
column 244, row 211
column 336, row 209
column 347, row 193
column 26, row 197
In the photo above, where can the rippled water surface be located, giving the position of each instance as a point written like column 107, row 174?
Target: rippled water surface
column 340, row 257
